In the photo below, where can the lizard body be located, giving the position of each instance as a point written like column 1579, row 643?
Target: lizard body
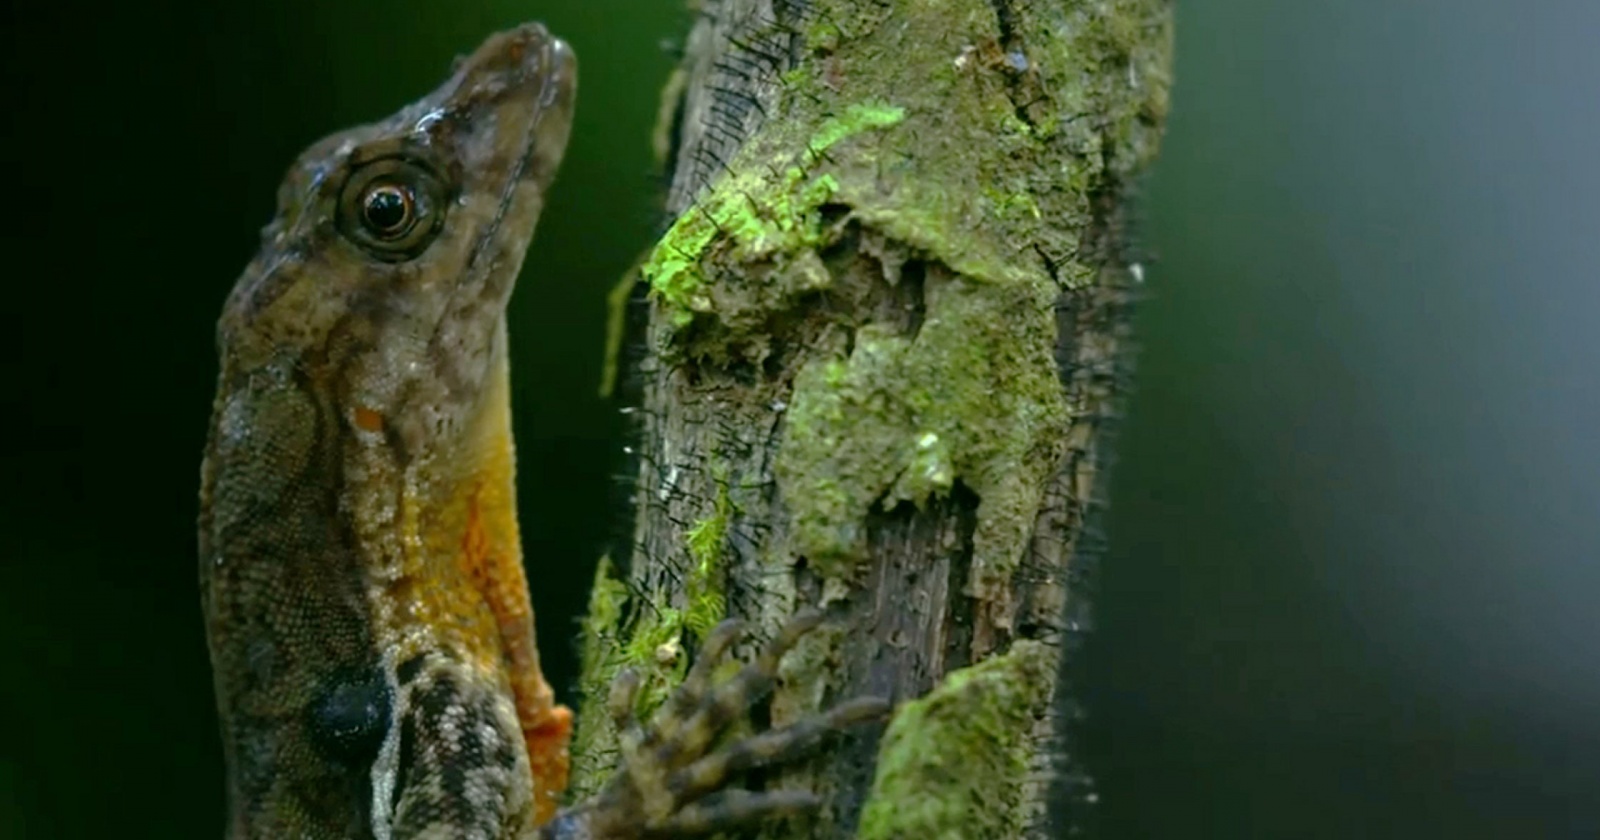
column 359, row 547
column 360, row 565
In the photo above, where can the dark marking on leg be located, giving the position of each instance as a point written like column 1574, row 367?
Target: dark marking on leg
column 350, row 717
column 407, row 760
column 459, row 773
column 409, row 669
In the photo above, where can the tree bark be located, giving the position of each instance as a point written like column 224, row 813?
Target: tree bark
column 883, row 340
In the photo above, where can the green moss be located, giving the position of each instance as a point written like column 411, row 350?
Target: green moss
column 607, row 598
column 647, row 638
column 973, row 395
column 706, row 587
column 766, row 209
column 620, row 634
column 602, row 660
column 822, row 35
column 655, row 649
column 857, row 118
column 954, row 764
column 904, row 131
column 978, row 170
column 616, row 328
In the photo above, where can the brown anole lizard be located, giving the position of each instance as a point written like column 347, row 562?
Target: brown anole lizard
column 361, row 571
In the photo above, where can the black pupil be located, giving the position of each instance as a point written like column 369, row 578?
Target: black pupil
column 387, row 209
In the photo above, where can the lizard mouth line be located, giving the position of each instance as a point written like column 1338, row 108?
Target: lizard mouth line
column 555, row 58
column 484, row 283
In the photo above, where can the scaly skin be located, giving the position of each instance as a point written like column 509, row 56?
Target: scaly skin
column 360, row 566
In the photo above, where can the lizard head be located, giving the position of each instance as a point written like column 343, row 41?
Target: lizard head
column 387, row 268
column 369, row 327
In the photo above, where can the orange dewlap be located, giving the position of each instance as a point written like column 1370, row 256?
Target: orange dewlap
column 468, row 584
column 489, row 558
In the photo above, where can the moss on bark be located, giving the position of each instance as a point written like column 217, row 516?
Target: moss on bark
column 953, row 764
column 890, row 309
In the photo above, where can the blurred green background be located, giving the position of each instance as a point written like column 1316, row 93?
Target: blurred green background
column 1355, row 526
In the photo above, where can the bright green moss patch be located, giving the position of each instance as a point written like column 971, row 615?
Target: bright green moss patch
column 856, row 119
column 953, row 764
column 767, row 208
column 706, row 584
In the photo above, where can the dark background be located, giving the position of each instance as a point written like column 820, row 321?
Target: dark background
column 1355, row 530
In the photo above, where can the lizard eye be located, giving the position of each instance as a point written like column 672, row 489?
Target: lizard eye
column 392, row 208
column 388, row 210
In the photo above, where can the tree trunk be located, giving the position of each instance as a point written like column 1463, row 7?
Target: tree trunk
column 883, row 340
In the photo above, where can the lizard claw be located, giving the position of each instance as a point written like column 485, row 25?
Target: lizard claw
column 672, row 783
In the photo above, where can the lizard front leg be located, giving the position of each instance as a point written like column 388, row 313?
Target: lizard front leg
column 672, row 783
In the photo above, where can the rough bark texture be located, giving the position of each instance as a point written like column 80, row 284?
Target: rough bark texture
column 882, row 339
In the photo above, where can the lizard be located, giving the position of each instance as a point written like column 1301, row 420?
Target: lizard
column 366, row 607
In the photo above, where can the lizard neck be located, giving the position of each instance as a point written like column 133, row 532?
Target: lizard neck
column 456, row 587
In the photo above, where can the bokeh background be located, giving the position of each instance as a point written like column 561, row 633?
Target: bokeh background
column 1355, row 528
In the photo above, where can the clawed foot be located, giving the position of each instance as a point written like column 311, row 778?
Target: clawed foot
column 669, row 785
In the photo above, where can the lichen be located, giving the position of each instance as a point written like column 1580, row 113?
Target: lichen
column 994, row 192
column 1112, row 60
column 804, row 673
column 954, row 763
